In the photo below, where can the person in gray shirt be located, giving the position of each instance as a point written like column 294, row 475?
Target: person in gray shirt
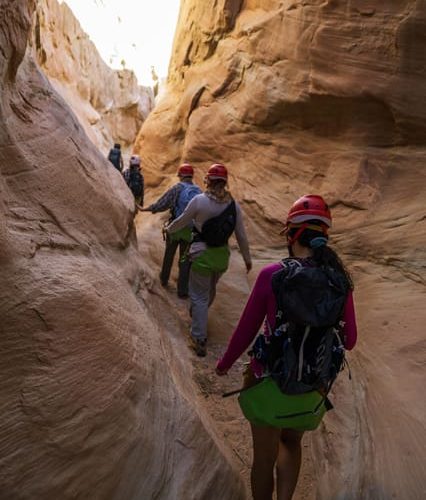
column 215, row 215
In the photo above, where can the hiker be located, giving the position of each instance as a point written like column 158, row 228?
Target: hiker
column 215, row 215
column 115, row 157
column 289, row 374
column 176, row 199
column 134, row 179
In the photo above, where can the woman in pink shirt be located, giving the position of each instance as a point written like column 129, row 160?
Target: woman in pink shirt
column 306, row 232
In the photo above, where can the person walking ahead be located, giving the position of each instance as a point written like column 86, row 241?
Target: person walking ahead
column 215, row 215
column 176, row 199
column 115, row 157
column 293, row 364
column 134, row 179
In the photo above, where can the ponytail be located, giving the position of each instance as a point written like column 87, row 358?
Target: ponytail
column 326, row 256
column 322, row 255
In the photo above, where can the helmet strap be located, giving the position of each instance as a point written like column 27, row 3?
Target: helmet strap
column 292, row 240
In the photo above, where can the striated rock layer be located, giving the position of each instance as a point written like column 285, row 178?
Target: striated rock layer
column 95, row 400
column 109, row 104
column 323, row 97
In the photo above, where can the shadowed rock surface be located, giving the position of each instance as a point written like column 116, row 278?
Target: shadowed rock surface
column 96, row 401
column 110, row 104
column 326, row 97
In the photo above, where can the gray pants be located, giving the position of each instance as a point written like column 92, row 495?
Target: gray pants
column 202, row 291
column 184, row 264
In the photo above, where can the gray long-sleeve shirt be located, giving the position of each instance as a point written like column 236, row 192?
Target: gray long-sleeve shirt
column 202, row 208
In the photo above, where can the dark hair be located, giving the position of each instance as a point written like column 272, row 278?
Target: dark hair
column 117, row 146
column 323, row 255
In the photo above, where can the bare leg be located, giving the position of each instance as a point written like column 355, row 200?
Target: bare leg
column 265, row 451
column 288, row 463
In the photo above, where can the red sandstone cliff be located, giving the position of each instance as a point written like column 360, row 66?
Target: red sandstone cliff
column 324, row 97
column 96, row 397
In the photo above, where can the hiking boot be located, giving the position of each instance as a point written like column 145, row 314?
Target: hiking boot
column 199, row 346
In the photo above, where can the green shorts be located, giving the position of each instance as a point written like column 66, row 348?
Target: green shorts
column 265, row 405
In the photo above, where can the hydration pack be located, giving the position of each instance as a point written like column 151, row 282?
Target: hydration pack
column 114, row 157
column 135, row 181
column 217, row 230
column 304, row 351
column 186, row 193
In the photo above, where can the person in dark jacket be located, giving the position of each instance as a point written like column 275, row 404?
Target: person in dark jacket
column 134, row 179
column 176, row 199
column 115, row 157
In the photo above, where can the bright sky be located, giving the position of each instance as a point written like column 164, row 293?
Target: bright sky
column 140, row 32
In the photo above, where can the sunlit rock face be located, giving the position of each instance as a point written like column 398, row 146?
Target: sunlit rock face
column 95, row 401
column 324, row 97
column 109, row 104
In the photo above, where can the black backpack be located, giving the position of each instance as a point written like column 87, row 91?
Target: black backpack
column 305, row 351
column 217, row 230
column 114, row 157
column 135, row 181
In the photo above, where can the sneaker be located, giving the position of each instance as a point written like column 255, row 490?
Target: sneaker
column 199, row 346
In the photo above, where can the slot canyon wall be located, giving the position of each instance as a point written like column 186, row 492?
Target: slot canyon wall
column 95, row 401
column 110, row 104
column 327, row 97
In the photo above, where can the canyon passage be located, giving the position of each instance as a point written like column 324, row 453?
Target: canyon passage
column 101, row 396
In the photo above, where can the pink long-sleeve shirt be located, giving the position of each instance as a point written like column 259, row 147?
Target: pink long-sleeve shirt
column 261, row 304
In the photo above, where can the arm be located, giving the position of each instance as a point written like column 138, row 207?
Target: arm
column 240, row 234
column 350, row 329
column 185, row 218
column 165, row 202
column 250, row 322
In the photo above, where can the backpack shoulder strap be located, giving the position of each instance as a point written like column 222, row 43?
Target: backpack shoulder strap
column 229, row 209
column 287, row 264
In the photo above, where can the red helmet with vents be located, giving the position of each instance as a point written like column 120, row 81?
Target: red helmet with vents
column 309, row 207
column 186, row 170
column 217, row 171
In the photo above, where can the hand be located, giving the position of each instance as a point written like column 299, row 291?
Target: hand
column 140, row 208
column 249, row 266
column 221, row 372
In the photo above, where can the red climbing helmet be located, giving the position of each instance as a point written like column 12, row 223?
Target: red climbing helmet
column 185, row 170
column 309, row 207
column 217, row 171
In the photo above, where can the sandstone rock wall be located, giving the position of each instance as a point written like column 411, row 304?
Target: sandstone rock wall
column 95, row 401
column 110, row 104
column 324, row 97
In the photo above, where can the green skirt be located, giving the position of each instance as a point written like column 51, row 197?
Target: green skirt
column 212, row 260
column 265, row 405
